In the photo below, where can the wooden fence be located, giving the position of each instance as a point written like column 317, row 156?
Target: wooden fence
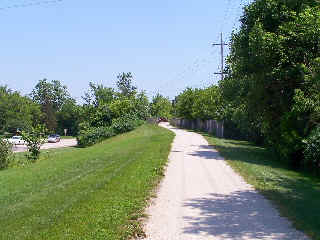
column 213, row 127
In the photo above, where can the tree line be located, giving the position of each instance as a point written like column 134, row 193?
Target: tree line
column 271, row 93
column 51, row 104
column 49, row 108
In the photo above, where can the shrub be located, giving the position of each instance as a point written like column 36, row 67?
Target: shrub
column 312, row 149
column 91, row 136
column 125, row 124
column 5, row 153
column 34, row 139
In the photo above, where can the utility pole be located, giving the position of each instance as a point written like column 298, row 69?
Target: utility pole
column 222, row 44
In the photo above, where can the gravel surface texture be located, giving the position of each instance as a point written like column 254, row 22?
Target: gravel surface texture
column 201, row 197
column 63, row 143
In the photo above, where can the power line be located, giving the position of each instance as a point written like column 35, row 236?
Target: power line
column 241, row 5
column 30, row 4
column 192, row 69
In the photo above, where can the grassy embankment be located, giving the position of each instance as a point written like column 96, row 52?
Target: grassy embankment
column 94, row 193
column 67, row 137
column 295, row 194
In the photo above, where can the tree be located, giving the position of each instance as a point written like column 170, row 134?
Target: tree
column 99, row 95
column 17, row 111
column 104, row 106
column 271, row 64
column 122, row 107
column 125, row 86
column 208, row 104
column 184, row 103
column 141, row 105
column 161, row 107
column 96, row 111
column 68, row 117
column 52, row 93
column 51, row 96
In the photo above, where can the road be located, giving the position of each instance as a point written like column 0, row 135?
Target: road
column 63, row 143
column 202, row 198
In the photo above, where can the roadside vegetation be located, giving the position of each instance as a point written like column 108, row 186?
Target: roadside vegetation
column 97, row 192
column 270, row 96
column 161, row 107
column 105, row 112
column 295, row 194
column 5, row 154
column 271, row 91
column 67, row 137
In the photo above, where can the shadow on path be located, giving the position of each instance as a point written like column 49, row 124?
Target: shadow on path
column 206, row 152
column 240, row 215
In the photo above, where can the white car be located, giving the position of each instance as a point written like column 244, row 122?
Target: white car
column 54, row 138
column 16, row 140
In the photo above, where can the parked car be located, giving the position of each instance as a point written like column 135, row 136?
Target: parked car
column 162, row 119
column 54, row 138
column 16, row 140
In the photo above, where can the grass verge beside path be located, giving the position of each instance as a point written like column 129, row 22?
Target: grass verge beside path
column 94, row 193
column 67, row 137
column 296, row 195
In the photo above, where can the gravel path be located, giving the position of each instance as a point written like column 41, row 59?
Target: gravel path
column 201, row 197
column 63, row 143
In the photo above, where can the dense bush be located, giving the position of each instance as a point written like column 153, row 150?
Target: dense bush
column 5, row 153
column 91, row 136
column 125, row 124
column 108, row 112
column 312, row 149
column 271, row 91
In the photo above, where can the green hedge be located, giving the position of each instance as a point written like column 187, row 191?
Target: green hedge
column 120, row 125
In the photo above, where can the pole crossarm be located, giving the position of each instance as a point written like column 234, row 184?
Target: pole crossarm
column 221, row 44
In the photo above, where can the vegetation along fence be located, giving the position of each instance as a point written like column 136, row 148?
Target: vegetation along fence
column 210, row 126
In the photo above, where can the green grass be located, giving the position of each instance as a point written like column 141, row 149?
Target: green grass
column 295, row 194
column 94, row 193
column 67, row 137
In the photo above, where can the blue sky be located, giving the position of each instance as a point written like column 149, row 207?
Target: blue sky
column 165, row 44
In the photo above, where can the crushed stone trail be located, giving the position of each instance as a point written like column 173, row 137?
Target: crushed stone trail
column 202, row 198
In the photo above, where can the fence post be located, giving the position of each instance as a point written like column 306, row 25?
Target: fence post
column 209, row 126
column 222, row 135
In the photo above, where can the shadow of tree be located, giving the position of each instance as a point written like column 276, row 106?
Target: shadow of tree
column 296, row 194
column 207, row 154
column 240, row 215
column 249, row 154
column 240, row 143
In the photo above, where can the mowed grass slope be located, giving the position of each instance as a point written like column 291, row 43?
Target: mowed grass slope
column 295, row 194
column 92, row 193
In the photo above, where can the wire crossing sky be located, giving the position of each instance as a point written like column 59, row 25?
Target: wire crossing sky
column 22, row 4
column 165, row 44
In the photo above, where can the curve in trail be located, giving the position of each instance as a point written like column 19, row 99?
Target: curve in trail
column 201, row 197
